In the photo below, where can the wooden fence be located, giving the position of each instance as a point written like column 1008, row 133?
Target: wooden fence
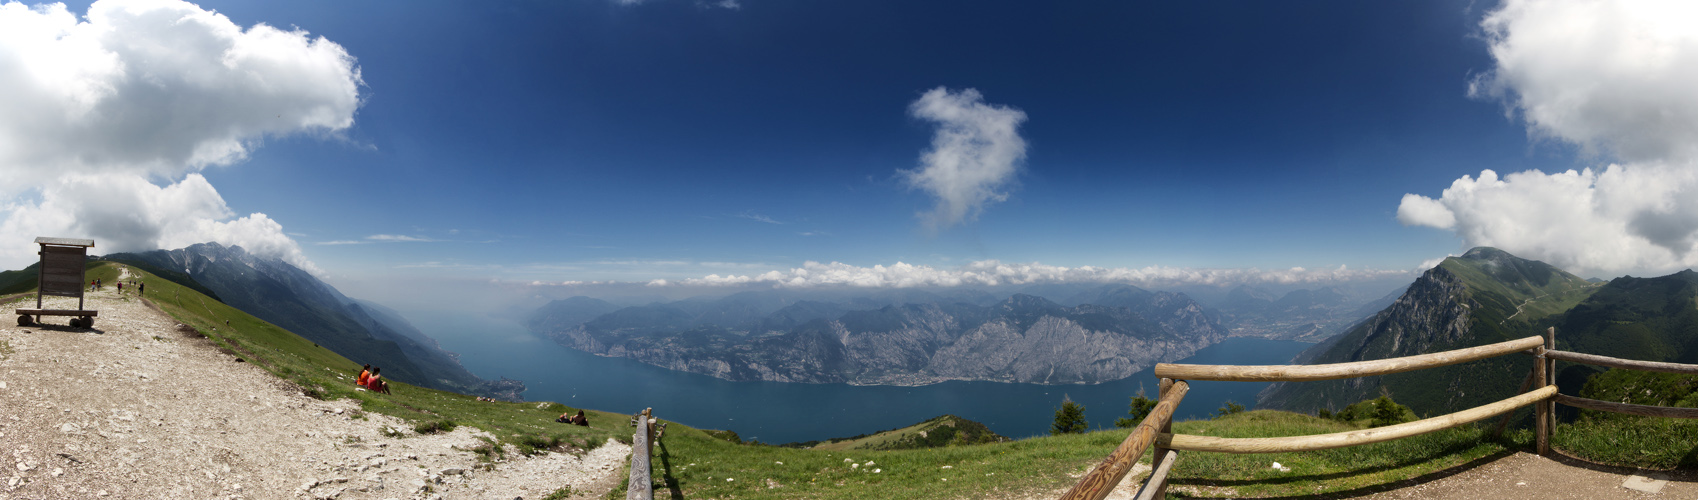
column 1539, row 390
column 641, row 487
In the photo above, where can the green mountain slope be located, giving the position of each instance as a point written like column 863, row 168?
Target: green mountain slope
column 297, row 301
column 1483, row 297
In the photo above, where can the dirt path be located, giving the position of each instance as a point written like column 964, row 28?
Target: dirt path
column 1519, row 476
column 134, row 409
column 1532, row 477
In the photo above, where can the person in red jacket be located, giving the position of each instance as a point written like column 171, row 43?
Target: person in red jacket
column 376, row 383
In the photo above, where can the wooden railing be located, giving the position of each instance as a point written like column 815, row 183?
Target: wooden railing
column 641, row 487
column 1156, row 429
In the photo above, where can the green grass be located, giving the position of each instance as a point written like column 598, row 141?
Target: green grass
column 696, row 465
column 1631, row 441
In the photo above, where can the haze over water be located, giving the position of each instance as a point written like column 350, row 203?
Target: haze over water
column 777, row 412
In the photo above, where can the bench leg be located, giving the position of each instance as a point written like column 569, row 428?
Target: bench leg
column 25, row 320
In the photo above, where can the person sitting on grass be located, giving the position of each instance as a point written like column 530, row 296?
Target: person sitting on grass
column 579, row 419
column 365, row 375
column 376, row 383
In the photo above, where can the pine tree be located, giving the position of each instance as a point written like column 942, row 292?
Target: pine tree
column 1141, row 408
column 1070, row 419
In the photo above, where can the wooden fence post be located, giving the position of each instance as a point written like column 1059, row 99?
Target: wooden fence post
column 1541, row 420
column 1161, row 454
column 641, row 486
column 1550, row 378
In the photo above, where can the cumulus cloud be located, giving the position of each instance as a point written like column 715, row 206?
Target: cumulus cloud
column 106, row 119
column 1616, row 79
column 996, row 273
column 1613, row 77
column 125, row 213
column 974, row 155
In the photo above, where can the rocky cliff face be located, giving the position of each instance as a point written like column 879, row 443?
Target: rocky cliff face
column 1023, row 339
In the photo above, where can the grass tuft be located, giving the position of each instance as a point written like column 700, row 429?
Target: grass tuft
column 434, row 426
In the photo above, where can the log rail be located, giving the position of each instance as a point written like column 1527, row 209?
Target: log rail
column 1538, row 390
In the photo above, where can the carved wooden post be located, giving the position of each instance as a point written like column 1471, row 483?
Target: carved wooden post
column 1166, row 428
column 1541, row 422
column 641, row 486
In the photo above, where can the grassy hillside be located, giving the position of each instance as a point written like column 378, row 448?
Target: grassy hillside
column 697, row 466
column 946, row 430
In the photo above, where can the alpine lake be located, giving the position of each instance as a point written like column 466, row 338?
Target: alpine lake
column 780, row 412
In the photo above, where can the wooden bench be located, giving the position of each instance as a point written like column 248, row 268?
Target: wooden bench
column 80, row 318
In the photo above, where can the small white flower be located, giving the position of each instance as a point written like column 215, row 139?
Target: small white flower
column 854, row 466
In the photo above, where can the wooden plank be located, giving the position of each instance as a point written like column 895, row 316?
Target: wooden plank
column 62, row 271
column 1550, row 379
column 1626, row 364
column 640, row 487
column 1541, row 425
column 57, row 312
column 1187, row 442
column 1097, row 484
column 1156, row 486
column 1300, row 373
column 1161, row 456
column 1630, row 409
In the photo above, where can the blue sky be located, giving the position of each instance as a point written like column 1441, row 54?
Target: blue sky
column 596, row 140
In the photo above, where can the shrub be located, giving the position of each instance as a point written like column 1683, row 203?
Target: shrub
column 434, row 426
column 1231, row 408
column 1069, row 419
column 1141, row 408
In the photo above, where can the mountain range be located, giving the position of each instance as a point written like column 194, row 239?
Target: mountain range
column 1487, row 296
column 1303, row 315
column 893, row 338
column 282, row 294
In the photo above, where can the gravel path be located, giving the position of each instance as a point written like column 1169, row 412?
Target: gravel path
column 134, row 409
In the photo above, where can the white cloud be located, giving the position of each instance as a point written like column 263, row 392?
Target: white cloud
column 97, row 111
column 1609, row 76
column 398, row 238
column 758, row 218
column 994, row 273
column 974, row 155
column 1614, row 78
column 126, row 213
